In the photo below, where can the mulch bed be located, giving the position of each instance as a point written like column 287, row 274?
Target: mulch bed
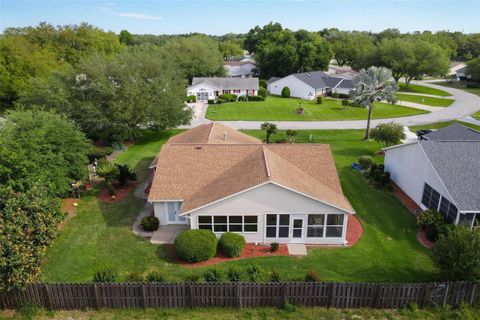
column 406, row 200
column 422, row 238
column 120, row 193
column 250, row 251
column 354, row 230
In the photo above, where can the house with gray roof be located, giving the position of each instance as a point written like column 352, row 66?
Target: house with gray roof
column 210, row 88
column 309, row 85
column 441, row 173
column 454, row 132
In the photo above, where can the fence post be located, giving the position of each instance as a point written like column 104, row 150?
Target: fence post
column 144, row 296
column 48, row 294
column 238, row 294
column 472, row 296
column 445, row 295
column 285, row 293
column 377, row 303
column 96, row 291
column 190, row 296
column 425, row 292
column 331, row 298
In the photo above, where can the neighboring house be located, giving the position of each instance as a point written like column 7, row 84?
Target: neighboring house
column 240, row 69
column 441, row 172
column 462, row 74
column 347, row 71
column 216, row 178
column 211, row 88
column 309, row 85
column 455, row 66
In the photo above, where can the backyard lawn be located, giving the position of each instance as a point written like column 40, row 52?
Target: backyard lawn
column 415, row 88
column 429, row 101
column 99, row 236
column 276, row 108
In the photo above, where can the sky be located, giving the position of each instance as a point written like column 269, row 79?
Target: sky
column 221, row 17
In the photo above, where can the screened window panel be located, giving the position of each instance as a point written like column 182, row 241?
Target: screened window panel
column 316, row 219
column 335, row 219
column 334, row 232
column 271, row 219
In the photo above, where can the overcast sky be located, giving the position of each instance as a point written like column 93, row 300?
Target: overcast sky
column 220, row 17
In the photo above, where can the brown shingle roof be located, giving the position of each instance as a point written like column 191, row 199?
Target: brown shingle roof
column 213, row 133
column 200, row 174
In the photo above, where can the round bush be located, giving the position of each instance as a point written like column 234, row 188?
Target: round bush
column 431, row 232
column 196, row 245
column 150, row 223
column 430, row 218
column 232, row 244
column 191, row 98
column 262, row 92
column 319, row 100
column 365, row 162
column 286, row 92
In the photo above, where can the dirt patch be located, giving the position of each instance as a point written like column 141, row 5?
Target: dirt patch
column 69, row 206
column 250, row 251
column 422, row 238
column 120, row 193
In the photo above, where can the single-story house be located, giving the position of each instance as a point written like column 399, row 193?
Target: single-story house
column 462, row 74
column 309, row 85
column 211, row 88
column 216, row 178
column 240, row 69
column 441, row 172
column 455, row 66
column 335, row 70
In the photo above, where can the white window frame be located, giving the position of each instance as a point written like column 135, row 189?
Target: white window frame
column 278, row 225
column 243, row 224
column 325, row 226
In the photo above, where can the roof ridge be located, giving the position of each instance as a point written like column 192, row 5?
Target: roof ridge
column 265, row 161
column 211, row 130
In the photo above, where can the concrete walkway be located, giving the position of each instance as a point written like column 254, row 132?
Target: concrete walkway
column 297, row 249
column 167, row 234
column 465, row 104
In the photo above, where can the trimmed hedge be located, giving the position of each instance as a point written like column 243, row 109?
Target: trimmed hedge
column 232, row 244
column 191, row 98
column 150, row 223
column 228, row 97
column 262, row 92
column 256, row 98
column 196, row 245
column 286, row 92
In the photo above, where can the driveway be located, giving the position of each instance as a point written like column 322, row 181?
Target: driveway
column 465, row 104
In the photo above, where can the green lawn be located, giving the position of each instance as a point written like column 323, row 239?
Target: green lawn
column 459, row 85
column 439, row 125
column 306, row 313
column 429, row 101
column 100, row 237
column 276, row 108
column 422, row 89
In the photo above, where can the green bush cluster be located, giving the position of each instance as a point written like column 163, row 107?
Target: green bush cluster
column 378, row 176
column 150, row 223
column 196, row 245
column 211, row 101
column 212, row 275
column 345, row 103
column 274, row 246
column 99, row 153
column 431, row 220
column 285, row 92
column 335, row 95
column 105, row 275
column 255, row 98
column 388, row 134
column 262, row 92
column 365, row 162
column 155, row 276
column 232, row 244
column 242, row 98
column 312, row 276
column 229, row 97
column 233, row 275
column 319, row 100
column 255, row 273
column 191, row 98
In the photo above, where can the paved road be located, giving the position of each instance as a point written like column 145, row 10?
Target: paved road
column 465, row 104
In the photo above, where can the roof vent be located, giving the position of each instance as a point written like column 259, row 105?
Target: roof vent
column 198, row 147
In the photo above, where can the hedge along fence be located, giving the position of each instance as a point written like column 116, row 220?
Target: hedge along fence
column 246, row 295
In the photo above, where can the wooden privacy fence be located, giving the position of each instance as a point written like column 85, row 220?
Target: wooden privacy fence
column 242, row 295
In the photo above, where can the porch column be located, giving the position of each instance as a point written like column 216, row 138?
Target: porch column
column 344, row 230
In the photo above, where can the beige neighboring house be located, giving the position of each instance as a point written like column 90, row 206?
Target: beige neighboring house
column 214, row 177
column 240, row 69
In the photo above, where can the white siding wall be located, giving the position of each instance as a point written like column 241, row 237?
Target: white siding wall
column 160, row 211
column 267, row 199
column 202, row 87
column 342, row 90
column 298, row 89
column 410, row 168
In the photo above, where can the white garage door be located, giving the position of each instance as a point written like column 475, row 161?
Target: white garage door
column 202, row 96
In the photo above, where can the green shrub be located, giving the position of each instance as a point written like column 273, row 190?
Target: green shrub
column 456, row 255
column 335, row 95
column 430, row 218
column 212, row 275
column 232, row 244
column 29, row 310
column 150, row 223
column 134, row 276
column 229, row 97
column 233, row 275
column 431, row 232
column 473, row 85
column 155, row 276
column 319, row 100
column 262, row 92
column 254, row 273
column 388, row 134
column 312, row 276
column 345, row 102
column 365, row 162
column 256, row 98
column 125, row 174
column 191, row 98
column 274, row 246
column 262, row 83
column 378, row 176
column 196, row 245
column 274, row 276
column 220, row 101
column 286, row 92
column 241, row 98
column 194, row 277
column 211, row 101
column 289, row 307
column 97, row 153
column 106, row 275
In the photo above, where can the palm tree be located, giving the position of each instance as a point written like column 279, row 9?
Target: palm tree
column 269, row 129
column 371, row 85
